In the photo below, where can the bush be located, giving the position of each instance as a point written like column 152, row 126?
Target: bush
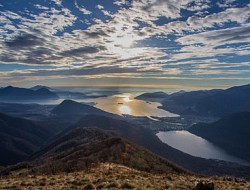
column 89, row 186
column 127, row 185
column 112, row 185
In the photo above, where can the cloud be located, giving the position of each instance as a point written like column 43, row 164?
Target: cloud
column 120, row 2
column 82, row 9
column 99, row 7
column 198, row 5
column 239, row 15
column 24, row 40
column 219, row 37
column 225, row 3
column 57, row 2
column 81, row 51
column 41, row 7
column 146, row 38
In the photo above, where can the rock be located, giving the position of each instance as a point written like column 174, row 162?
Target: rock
column 204, row 186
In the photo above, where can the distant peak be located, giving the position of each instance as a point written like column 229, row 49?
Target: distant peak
column 69, row 102
column 9, row 86
column 38, row 87
column 43, row 89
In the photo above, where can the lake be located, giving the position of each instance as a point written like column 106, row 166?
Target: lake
column 196, row 146
column 125, row 104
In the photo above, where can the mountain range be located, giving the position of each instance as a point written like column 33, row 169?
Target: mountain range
column 213, row 103
column 18, row 94
column 19, row 138
column 74, row 136
column 82, row 148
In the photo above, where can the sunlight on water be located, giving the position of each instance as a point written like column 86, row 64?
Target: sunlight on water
column 125, row 110
column 126, row 99
column 125, row 104
column 196, row 146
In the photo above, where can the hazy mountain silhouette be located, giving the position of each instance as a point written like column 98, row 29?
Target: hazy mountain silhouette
column 37, row 87
column 207, row 102
column 19, row 138
column 232, row 133
column 80, row 148
column 69, row 112
column 18, row 94
column 153, row 95
column 70, row 107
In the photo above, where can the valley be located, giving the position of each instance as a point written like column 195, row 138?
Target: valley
column 74, row 137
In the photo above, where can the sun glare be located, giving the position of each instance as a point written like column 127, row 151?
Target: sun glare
column 122, row 41
column 127, row 99
column 125, row 110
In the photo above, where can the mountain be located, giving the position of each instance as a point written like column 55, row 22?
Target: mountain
column 19, row 138
column 71, row 111
column 122, row 129
column 37, row 87
column 70, row 107
column 154, row 95
column 18, row 94
column 91, row 158
column 214, row 103
column 81, row 148
column 232, row 133
column 144, row 137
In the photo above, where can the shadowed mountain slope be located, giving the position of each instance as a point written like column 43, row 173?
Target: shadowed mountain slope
column 232, row 133
column 214, row 103
column 19, row 138
column 70, row 107
column 82, row 148
column 147, row 139
column 18, row 94
column 69, row 112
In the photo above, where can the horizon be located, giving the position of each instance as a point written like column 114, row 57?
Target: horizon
column 174, row 88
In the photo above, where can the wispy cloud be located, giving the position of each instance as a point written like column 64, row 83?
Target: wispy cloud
column 146, row 38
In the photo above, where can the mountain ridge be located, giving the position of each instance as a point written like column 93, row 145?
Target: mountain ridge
column 19, row 138
column 82, row 148
column 230, row 132
column 18, row 94
column 211, row 103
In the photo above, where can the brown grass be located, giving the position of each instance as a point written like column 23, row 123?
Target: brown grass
column 113, row 176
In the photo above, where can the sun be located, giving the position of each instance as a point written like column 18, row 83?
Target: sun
column 127, row 99
column 123, row 47
column 125, row 41
column 122, row 42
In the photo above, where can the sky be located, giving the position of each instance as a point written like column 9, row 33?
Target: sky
column 185, row 44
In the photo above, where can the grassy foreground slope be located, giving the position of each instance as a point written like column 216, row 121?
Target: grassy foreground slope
column 113, row 176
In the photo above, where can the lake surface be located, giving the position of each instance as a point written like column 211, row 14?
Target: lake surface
column 114, row 101
column 125, row 104
column 196, row 146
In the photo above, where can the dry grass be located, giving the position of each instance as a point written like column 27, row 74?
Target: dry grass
column 111, row 176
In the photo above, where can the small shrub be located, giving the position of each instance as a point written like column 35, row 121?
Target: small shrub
column 112, row 185
column 77, row 183
column 89, row 186
column 42, row 183
column 167, row 186
column 101, row 186
column 127, row 185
